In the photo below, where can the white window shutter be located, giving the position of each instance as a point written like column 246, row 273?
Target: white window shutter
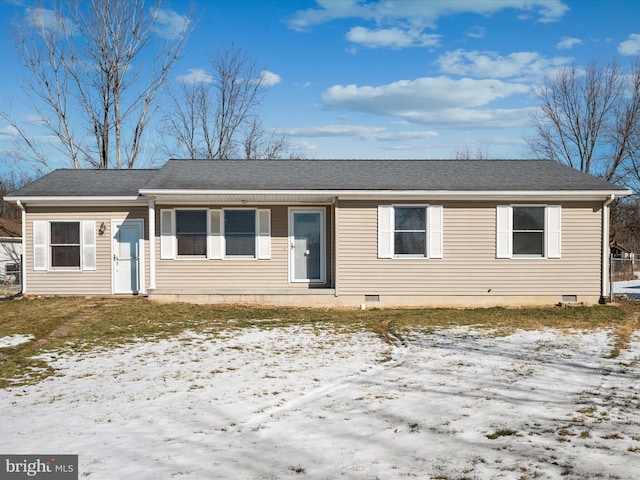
column 385, row 231
column 216, row 234
column 263, row 218
column 88, row 245
column 435, row 231
column 554, row 238
column 504, row 237
column 167, row 235
column 40, row 248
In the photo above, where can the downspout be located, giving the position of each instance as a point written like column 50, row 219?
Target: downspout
column 152, row 245
column 23, row 263
column 334, row 260
column 605, row 249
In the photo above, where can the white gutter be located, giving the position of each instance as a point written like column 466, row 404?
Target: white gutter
column 75, row 198
column 23, row 263
column 580, row 194
column 605, row 249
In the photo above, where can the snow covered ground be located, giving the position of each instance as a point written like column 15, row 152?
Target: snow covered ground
column 310, row 402
column 630, row 288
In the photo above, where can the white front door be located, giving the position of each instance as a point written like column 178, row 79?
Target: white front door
column 307, row 245
column 127, row 256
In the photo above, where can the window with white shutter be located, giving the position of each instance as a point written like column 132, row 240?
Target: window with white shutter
column 410, row 231
column 64, row 245
column 215, row 233
column 528, row 231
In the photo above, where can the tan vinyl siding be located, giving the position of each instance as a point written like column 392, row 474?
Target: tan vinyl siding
column 75, row 282
column 469, row 266
column 245, row 274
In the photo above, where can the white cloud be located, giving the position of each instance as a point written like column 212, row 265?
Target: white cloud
column 568, row 42
column 170, row 24
column 9, row 131
column 34, row 119
column 476, row 32
column 630, row 46
column 423, row 12
column 434, row 101
column 303, row 145
column 391, row 37
column 269, row 79
column 494, row 65
column 196, row 75
column 428, row 92
column 468, row 118
column 362, row 132
column 49, row 20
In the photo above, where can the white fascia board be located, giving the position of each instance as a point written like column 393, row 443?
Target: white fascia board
column 409, row 194
column 551, row 195
column 76, row 200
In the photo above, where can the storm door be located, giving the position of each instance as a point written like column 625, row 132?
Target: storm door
column 127, row 256
column 307, row 245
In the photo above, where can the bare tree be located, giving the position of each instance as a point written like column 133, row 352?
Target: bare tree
column 482, row 153
column 262, row 143
column 217, row 116
column 590, row 120
column 96, row 68
column 9, row 182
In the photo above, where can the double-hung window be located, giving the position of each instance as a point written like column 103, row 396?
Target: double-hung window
column 528, row 231
column 64, row 245
column 240, row 233
column 215, row 233
column 191, row 233
column 409, row 231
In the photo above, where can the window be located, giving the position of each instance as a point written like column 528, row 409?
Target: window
column 191, row 232
column 240, row 233
column 12, row 268
column 409, row 231
column 215, row 233
column 528, row 231
column 64, row 245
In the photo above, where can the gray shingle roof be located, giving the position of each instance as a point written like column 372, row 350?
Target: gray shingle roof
column 83, row 183
column 319, row 175
column 442, row 175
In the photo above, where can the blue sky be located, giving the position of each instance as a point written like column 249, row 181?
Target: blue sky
column 392, row 79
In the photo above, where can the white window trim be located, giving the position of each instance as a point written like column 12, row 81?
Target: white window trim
column 42, row 246
column 552, row 232
column 216, row 242
column 323, row 245
column 255, row 235
column 175, row 233
column 434, row 247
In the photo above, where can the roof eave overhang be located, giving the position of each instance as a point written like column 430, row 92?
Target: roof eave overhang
column 328, row 196
column 316, row 196
column 78, row 200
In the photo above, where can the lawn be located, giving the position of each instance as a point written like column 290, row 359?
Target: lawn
column 141, row 390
